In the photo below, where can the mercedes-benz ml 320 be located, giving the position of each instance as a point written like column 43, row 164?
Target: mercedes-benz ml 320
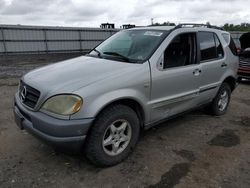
column 99, row 102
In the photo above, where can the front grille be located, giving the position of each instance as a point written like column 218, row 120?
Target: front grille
column 244, row 62
column 28, row 95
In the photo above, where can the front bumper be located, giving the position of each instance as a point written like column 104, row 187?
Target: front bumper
column 62, row 134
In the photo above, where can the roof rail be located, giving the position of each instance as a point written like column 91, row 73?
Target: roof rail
column 198, row 25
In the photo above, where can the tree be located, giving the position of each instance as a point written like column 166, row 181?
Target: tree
column 164, row 24
column 227, row 26
column 239, row 27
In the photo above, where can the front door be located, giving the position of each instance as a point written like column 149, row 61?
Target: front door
column 175, row 77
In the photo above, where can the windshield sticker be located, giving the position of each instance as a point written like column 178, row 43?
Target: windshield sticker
column 153, row 33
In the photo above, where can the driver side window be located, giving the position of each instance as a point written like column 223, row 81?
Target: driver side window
column 181, row 51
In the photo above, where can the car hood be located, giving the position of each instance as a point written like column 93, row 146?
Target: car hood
column 71, row 75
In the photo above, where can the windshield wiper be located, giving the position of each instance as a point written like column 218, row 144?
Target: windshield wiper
column 118, row 55
column 98, row 52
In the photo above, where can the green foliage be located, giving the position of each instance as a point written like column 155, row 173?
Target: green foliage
column 164, row 23
column 228, row 27
column 240, row 27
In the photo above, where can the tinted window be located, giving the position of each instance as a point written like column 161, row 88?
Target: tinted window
column 181, row 51
column 207, row 45
column 232, row 46
column 219, row 49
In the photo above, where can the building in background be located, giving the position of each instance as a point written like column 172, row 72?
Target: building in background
column 127, row 26
column 107, row 26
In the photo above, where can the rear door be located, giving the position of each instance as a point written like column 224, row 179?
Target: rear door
column 213, row 64
column 175, row 76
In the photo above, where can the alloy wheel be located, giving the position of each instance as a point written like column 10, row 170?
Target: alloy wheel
column 117, row 137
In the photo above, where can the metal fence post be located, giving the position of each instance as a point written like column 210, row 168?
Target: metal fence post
column 4, row 43
column 45, row 41
column 80, row 40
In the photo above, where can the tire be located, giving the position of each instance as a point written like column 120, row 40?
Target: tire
column 219, row 104
column 107, row 130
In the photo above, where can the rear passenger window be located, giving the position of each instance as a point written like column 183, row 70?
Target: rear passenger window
column 210, row 46
column 207, row 46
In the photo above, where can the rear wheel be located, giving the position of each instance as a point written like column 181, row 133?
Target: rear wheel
column 221, row 101
column 113, row 135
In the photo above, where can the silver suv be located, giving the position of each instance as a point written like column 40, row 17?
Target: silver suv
column 133, row 80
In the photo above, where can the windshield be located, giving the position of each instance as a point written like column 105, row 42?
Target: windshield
column 130, row 45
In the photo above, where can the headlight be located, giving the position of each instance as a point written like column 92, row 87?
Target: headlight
column 63, row 104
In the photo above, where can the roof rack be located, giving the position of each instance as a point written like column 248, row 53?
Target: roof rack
column 198, row 25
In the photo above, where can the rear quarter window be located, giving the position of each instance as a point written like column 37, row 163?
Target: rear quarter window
column 230, row 43
column 226, row 37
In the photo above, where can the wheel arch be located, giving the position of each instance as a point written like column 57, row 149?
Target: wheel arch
column 231, row 81
column 132, row 103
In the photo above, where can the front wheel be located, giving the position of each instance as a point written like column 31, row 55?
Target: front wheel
column 113, row 135
column 221, row 101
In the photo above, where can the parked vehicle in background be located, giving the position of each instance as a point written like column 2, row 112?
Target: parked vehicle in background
column 244, row 66
column 133, row 80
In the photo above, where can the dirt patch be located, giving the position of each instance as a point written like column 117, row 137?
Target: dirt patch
column 243, row 121
column 189, row 155
column 173, row 176
column 245, row 101
column 227, row 138
column 132, row 166
column 9, row 82
column 10, row 67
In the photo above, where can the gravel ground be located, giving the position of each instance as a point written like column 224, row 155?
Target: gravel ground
column 193, row 150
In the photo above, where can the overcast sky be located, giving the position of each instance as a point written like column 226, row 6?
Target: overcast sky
column 90, row 13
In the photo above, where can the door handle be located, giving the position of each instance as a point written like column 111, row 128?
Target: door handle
column 197, row 72
column 223, row 65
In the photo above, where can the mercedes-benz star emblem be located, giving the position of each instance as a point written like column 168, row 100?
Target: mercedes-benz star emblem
column 23, row 94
